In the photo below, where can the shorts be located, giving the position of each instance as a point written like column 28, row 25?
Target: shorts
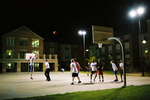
column 88, row 70
column 100, row 72
column 30, row 68
column 74, row 74
column 121, row 71
column 115, row 72
column 92, row 72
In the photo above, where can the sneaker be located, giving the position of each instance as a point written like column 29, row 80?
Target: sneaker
column 72, row 83
column 31, row 78
column 116, row 80
column 121, row 80
column 102, row 80
column 79, row 82
column 99, row 80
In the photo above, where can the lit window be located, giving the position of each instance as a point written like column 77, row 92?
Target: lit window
column 35, row 43
column 9, row 53
column 35, row 51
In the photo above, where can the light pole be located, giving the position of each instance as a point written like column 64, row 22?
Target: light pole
column 83, row 33
column 138, row 12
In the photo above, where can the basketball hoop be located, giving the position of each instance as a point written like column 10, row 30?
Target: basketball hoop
column 100, row 45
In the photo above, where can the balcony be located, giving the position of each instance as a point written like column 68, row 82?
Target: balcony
column 21, row 56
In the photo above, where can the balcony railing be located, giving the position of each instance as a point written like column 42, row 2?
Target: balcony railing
column 21, row 56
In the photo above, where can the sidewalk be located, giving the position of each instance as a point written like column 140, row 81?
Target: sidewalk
column 19, row 85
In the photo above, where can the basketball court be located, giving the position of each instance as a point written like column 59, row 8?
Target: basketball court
column 19, row 85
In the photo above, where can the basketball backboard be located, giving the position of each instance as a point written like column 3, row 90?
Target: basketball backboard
column 29, row 54
column 101, row 34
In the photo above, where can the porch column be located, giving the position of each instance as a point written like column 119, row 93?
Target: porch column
column 55, row 56
column 43, row 66
column 18, row 67
column 56, row 66
column 3, row 67
column 50, row 56
column 43, row 56
column 18, row 56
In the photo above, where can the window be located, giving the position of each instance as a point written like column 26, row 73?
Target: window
column 75, row 55
column 52, row 45
column 9, row 53
column 23, row 42
column 145, row 37
column 52, row 51
column 22, row 53
column 110, row 52
column 126, row 38
column 103, row 53
column 35, row 43
column 67, row 56
column 10, row 41
column 35, row 51
column 36, row 67
column 74, row 47
column 127, row 51
column 66, row 47
column 118, row 51
column 127, row 64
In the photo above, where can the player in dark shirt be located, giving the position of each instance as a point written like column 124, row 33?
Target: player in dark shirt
column 100, row 69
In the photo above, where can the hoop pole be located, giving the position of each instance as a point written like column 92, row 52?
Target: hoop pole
column 123, row 57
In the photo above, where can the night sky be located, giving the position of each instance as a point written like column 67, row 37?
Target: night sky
column 67, row 17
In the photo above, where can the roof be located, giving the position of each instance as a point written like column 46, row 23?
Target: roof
column 25, row 29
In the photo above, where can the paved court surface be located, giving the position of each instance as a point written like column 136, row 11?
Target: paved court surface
column 19, row 85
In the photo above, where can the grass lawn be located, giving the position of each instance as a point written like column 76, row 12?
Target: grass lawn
column 127, row 93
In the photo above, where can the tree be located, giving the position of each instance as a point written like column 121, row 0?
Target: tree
column 93, row 53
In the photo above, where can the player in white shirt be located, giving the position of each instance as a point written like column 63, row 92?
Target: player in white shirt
column 32, row 65
column 47, row 71
column 74, row 71
column 121, row 69
column 114, row 67
column 93, row 70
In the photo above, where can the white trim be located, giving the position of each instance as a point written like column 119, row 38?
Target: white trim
column 23, row 27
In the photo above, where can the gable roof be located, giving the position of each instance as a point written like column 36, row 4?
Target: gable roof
column 25, row 29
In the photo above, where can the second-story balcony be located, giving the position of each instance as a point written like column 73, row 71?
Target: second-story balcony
column 23, row 56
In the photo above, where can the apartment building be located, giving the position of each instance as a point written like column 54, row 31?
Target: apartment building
column 131, row 42
column 16, row 44
column 66, row 52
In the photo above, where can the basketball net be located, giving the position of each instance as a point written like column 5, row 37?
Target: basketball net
column 99, row 45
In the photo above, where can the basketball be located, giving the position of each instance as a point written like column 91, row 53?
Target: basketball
column 54, row 32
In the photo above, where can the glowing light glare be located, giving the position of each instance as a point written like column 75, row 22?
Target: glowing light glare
column 144, row 42
column 9, row 64
column 132, row 13
column 140, row 10
column 146, row 51
column 9, row 53
column 87, row 50
column 82, row 32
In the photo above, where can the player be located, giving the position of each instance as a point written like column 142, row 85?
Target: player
column 77, row 64
column 100, row 69
column 74, row 71
column 121, row 69
column 47, row 71
column 32, row 65
column 93, row 70
column 88, row 68
column 114, row 67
